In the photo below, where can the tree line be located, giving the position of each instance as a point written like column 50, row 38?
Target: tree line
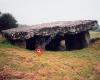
column 7, row 21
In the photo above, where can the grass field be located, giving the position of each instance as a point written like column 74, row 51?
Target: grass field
column 22, row 64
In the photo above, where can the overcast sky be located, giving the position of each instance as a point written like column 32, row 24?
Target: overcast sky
column 40, row 11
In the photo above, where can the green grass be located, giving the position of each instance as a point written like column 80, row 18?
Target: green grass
column 3, row 59
column 95, row 34
column 60, row 65
column 4, row 43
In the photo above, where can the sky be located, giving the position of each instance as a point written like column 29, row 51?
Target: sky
column 32, row 12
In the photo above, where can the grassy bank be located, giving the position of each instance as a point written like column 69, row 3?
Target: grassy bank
column 17, row 63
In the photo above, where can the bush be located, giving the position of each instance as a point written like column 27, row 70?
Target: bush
column 7, row 21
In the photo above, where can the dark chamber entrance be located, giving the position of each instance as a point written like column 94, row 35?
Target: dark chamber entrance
column 77, row 41
column 42, row 41
column 35, row 42
column 70, row 42
column 55, row 43
column 30, row 43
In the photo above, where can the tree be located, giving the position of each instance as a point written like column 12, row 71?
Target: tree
column 7, row 21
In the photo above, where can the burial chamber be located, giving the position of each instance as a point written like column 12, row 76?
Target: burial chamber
column 60, row 35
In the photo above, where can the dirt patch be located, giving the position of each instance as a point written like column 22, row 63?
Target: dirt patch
column 9, row 73
column 97, row 67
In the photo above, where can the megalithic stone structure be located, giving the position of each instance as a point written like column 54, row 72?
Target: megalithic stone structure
column 75, row 34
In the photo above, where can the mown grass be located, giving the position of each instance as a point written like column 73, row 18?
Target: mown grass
column 60, row 65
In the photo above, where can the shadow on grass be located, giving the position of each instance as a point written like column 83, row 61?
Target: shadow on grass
column 94, row 40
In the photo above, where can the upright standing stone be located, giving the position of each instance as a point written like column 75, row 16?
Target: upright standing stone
column 84, row 38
